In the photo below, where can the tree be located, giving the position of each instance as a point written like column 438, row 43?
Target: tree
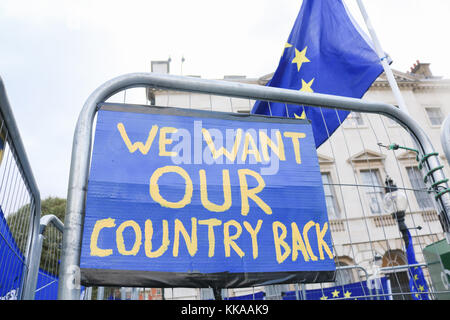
column 56, row 206
column 51, row 246
column 18, row 223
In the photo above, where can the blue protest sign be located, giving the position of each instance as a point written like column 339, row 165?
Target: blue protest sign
column 179, row 197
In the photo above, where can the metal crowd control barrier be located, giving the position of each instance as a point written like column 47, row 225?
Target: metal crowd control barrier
column 20, row 205
column 45, row 267
column 360, row 229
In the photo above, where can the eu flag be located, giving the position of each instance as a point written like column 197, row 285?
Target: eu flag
column 326, row 52
column 417, row 283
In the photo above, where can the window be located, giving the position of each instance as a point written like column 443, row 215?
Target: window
column 415, row 177
column 398, row 279
column 354, row 119
column 435, row 116
column 344, row 274
column 374, row 194
column 330, row 196
column 160, row 66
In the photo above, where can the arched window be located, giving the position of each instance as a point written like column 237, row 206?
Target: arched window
column 398, row 278
column 344, row 275
column 394, row 258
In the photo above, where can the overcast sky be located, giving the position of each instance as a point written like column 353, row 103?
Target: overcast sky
column 54, row 53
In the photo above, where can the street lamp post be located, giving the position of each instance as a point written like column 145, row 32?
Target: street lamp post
column 395, row 202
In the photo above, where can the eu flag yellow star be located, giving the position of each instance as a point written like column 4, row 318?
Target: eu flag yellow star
column 306, row 86
column 335, row 293
column 300, row 58
column 324, row 297
column 286, row 45
column 347, row 294
column 303, row 116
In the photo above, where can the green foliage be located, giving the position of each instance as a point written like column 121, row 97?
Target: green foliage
column 18, row 223
column 56, row 206
column 51, row 248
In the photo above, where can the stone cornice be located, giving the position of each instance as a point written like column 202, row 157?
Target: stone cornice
column 404, row 81
column 416, row 85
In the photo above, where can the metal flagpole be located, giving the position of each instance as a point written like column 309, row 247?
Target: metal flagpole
column 383, row 58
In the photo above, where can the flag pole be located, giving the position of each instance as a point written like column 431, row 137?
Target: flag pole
column 383, row 59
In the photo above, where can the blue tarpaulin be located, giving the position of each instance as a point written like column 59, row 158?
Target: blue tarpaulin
column 47, row 286
column 11, row 262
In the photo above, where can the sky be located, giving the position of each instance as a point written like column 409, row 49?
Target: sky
column 54, row 53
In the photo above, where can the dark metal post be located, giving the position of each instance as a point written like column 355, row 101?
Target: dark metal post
column 217, row 293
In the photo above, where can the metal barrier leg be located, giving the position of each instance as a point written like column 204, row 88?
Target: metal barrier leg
column 35, row 255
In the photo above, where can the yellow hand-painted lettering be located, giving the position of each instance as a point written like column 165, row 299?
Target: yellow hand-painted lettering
column 148, row 239
column 228, row 240
column 226, row 192
column 296, row 143
column 222, row 151
column 99, row 225
column 120, row 240
column 156, row 195
column 132, row 147
column 247, row 193
column 190, row 240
